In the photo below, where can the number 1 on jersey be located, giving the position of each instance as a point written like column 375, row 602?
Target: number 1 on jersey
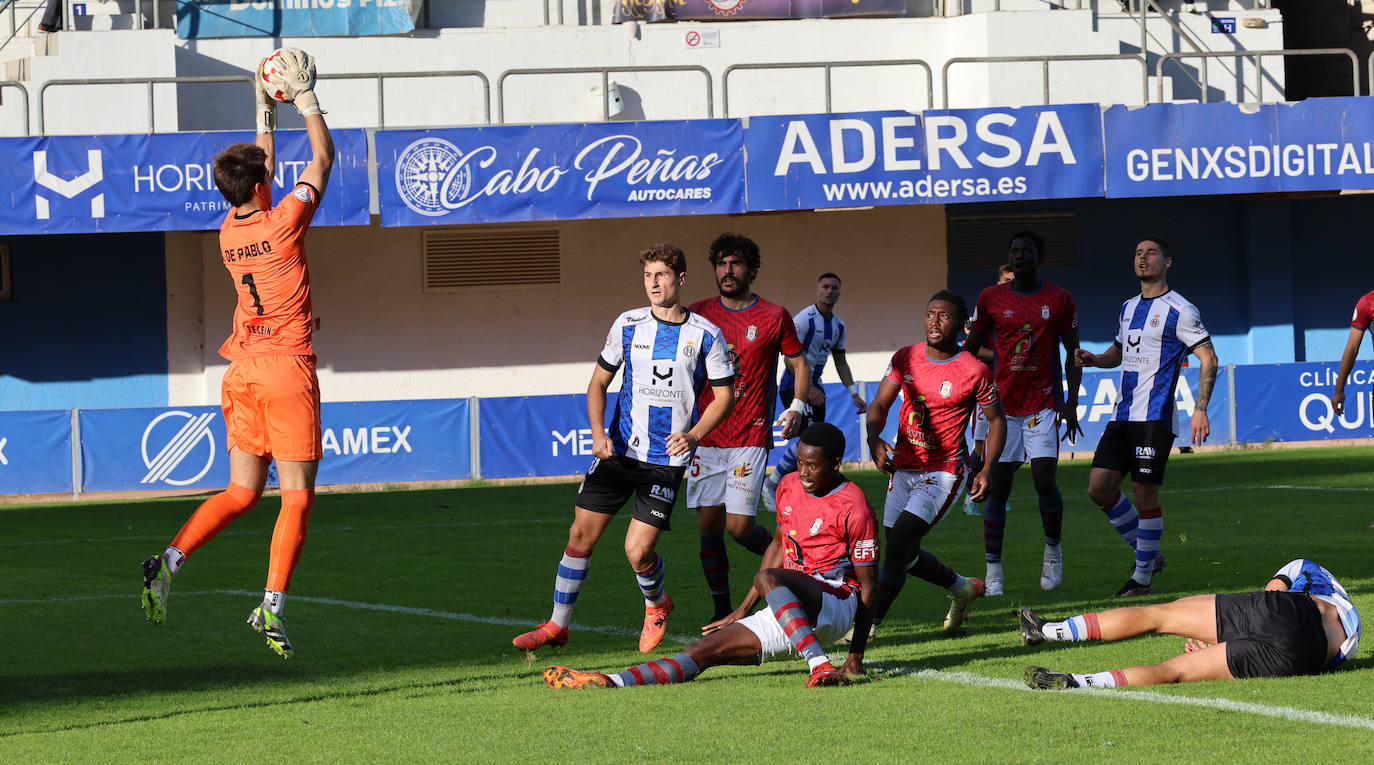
column 253, row 290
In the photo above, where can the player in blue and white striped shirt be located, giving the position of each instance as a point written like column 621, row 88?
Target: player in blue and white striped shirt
column 822, row 335
column 669, row 355
column 1157, row 330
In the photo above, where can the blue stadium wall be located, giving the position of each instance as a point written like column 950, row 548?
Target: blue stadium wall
column 1276, row 279
column 87, row 324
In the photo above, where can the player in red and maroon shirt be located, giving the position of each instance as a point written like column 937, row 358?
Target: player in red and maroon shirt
column 1028, row 319
column 1364, row 315
column 940, row 386
column 727, row 471
column 817, row 578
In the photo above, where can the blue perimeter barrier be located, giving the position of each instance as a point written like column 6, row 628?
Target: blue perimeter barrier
column 531, row 436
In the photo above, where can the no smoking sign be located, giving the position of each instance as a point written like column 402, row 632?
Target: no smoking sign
column 705, row 38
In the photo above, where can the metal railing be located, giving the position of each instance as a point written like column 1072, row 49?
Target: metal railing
column 381, row 78
column 1258, row 55
column 605, row 72
column 828, row 66
column 1045, row 61
column 25, row 92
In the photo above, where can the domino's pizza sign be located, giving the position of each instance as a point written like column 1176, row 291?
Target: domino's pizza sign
column 560, row 172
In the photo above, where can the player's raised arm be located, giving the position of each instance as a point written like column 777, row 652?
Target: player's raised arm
column 874, row 422
column 290, row 72
column 1352, row 349
column 266, row 121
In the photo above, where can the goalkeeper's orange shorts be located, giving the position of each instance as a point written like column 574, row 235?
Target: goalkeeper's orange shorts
column 272, row 407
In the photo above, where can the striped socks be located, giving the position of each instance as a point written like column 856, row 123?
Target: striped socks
column 1074, row 630
column 787, row 609
column 651, row 582
column 1147, row 543
column 1124, row 519
column 929, row 568
column 678, row 669
column 572, row 572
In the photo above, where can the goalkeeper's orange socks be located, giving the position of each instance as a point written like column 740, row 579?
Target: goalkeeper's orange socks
column 213, row 515
column 288, row 538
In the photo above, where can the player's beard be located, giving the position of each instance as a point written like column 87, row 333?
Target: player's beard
column 739, row 292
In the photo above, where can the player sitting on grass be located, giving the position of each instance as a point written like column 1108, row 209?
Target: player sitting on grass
column 271, row 393
column 1302, row 623
column 817, row 578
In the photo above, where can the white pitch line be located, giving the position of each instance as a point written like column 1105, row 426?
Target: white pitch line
column 408, row 610
column 264, row 532
column 1154, row 697
column 1265, row 488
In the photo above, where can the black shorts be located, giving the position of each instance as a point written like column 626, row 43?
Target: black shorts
column 609, row 484
column 814, row 412
column 1271, row 634
column 1138, row 448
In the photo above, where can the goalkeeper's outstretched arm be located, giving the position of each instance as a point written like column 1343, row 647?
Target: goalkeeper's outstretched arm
column 322, row 153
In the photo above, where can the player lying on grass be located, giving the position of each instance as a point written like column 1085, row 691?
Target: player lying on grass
column 817, row 578
column 1302, row 623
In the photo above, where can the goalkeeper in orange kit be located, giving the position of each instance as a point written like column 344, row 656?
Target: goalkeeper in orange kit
column 270, row 394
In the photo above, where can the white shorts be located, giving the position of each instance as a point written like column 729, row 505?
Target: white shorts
column 980, row 424
column 924, row 494
column 727, row 475
column 836, row 617
column 1031, row 436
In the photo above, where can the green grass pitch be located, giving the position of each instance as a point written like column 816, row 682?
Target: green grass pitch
column 405, row 603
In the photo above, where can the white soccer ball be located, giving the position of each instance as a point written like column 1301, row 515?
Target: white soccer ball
column 282, row 76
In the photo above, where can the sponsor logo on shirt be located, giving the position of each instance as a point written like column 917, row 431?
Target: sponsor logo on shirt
column 866, row 551
column 661, row 492
column 1144, row 452
column 744, row 471
column 302, row 193
column 1008, row 313
column 787, row 510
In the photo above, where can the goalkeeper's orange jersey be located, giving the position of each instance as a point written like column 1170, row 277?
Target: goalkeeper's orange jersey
column 265, row 254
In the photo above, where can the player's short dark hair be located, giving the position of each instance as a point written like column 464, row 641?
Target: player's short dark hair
column 667, row 254
column 1035, row 238
column 238, row 169
column 954, row 299
column 731, row 243
column 828, row 437
column 1165, row 248
column 1005, row 268
column 828, row 275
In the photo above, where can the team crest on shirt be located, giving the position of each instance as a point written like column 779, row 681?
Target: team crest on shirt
column 689, row 350
column 752, row 333
column 946, row 388
column 1045, row 312
column 816, row 526
column 1154, row 322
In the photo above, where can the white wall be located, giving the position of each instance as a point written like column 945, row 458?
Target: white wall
column 558, row 98
column 382, row 337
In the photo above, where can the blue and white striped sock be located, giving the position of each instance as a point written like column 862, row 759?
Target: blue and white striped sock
column 1124, row 519
column 572, row 572
column 1147, row 544
column 651, row 582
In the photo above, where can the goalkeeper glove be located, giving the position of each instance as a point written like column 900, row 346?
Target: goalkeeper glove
column 266, row 110
column 298, row 80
